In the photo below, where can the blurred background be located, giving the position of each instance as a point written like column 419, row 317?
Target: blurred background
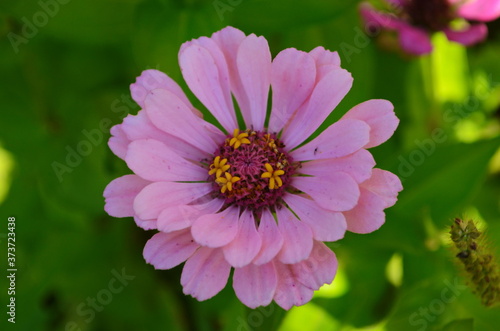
column 66, row 67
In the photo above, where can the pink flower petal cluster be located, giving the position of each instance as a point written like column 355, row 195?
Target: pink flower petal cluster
column 416, row 20
column 276, row 250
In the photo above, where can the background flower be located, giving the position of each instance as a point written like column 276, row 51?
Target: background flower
column 416, row 21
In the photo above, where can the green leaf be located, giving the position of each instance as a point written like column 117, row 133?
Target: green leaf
column 449, row 68
column 160, row 29
column 460, row 325
column 430, row 292
column 369, row 296
column 487, row 200
column 280, row 15
column 441, row 179
column 309, row 317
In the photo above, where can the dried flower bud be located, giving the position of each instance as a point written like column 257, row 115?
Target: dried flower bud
column 477, row 260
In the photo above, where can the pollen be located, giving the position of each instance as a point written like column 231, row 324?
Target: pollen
column 218, row 167
column 274, row 176
column 251, row 169
column 227, row 182
column 270, row 142
column 239, row 139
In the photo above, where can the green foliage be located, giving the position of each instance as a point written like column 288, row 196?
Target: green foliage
column 70, row 78
column 460, row 325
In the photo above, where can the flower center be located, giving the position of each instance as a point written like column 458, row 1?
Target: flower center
column 433, row 15
column 251, row 169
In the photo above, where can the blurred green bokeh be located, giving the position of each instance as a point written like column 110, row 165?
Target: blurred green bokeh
column 66, row 67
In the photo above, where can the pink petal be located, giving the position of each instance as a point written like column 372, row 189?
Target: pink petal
column 358, row 165
column 325, row 225
column 414, row 40
column 247, row 243
column 293, row 76
column 379, row 115
column 216, row 230
column 368, row 215
column 145, row 224
column 118, row 141
column 140, row 127
column 335, row 191
column 177, row 217
column 150, row 80
column 290, row 291
column 325, row 61
column 120, row 195
column 377, row 193
column 229, row 40
column 296, row 282
column 473, row 34
column 205, row 70
column 326, row 95
column 373, row 18
column 385, row 184
column 271, row 237
column 339, row 139
column 155, row 197
column 171, row 115
column 254, row 67
column 319, row 268
column 480, row 10
column 205, row 273
column 154, row 161
column 168, row 250
column 297, row 237
column 255, row 285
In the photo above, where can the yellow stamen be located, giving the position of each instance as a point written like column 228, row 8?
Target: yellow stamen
column 273, row 175
column 227, row 183
column 238, row 139
column 218, row 167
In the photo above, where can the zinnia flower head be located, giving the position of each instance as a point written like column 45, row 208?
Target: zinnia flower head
column 416, row 20
column 254, row 198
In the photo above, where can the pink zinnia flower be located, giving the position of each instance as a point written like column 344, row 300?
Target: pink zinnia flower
column 258, row 199
column 416, row 20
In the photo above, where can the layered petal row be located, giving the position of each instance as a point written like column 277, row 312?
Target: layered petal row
column 259, row 200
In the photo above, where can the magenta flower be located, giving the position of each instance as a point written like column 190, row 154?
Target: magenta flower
column 257, row 199
column 416, row 20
